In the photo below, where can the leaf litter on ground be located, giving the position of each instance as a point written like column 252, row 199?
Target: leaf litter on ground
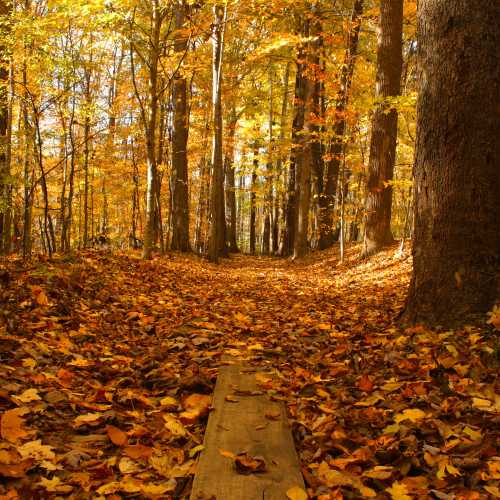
column 108, row 364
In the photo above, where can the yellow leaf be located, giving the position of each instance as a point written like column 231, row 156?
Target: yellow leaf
column 413, row 414
column 481, row 403
column 87, row 419
column 174, row 426
column 296, row 493
column 54, row 485
column 36, row 450
column 474, row 435
column 398, row 491
column 169, row 402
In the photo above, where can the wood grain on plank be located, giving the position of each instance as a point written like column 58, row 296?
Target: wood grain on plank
column 242, row 426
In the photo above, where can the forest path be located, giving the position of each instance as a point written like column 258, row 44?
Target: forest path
column 108, row 363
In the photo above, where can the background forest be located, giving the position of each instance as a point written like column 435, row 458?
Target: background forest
column 120, row 118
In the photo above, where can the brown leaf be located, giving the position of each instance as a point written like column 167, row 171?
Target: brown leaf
column 246, row 464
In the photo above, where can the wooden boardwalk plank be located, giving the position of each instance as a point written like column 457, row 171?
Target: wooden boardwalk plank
column 239, row 427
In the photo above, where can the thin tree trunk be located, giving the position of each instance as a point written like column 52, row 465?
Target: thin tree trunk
column 217, row 240
column 230, row 184
column 4, row 134
column 456, row 242
column 269, row 178
column 150, row 122
column 327, row 195
column 280, row 214
column 86, row 157
column 384, row 129
column 253, row 200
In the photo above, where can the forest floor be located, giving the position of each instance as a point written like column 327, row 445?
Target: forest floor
column 107, row 363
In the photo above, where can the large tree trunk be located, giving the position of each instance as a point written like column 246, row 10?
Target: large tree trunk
column 217, row 240
column 179, row 180
column 307, row 140
column 327, row 196
column 384, row 128
column 456, row 245
column 290, row 210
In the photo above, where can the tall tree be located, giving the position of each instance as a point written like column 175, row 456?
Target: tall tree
column 384, row 128
column 217, row 239
column 179, row 179
column 307, row 138
column 456, row 246
column 290, row 209
column 4, row 134
column 328, row 189
column 230, row 190
column 149, row 107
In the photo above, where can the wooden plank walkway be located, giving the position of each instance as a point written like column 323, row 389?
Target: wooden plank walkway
column 238, row 424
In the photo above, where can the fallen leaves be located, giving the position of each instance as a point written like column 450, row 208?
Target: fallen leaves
column 108, row 364
column 117, row 436
column 244, row 463
column 196, row 406
column 12, row 425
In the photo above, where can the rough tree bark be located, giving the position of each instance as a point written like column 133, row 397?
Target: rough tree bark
column 327, row 196
column 290, row 209
column 384, row 128
column 306, row 139
column 179, row 179
column 217, row 239
column 456, row 244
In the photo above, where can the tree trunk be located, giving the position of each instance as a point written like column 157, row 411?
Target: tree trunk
column 4, row 139
column 456, row 241
column 179, row 180
column 279, row 233
column 303, row 178
column 307, row 139
column 150, row 122
column 327, row 196
column 253, row 200
column 384, row 129
column 230, row 185
column 269, row 177
column 217, row 240
column 290, row 215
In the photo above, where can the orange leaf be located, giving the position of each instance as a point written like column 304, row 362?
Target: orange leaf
column 137, row 451
column 116, row 435
column 365, row 384
column 11, row 425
